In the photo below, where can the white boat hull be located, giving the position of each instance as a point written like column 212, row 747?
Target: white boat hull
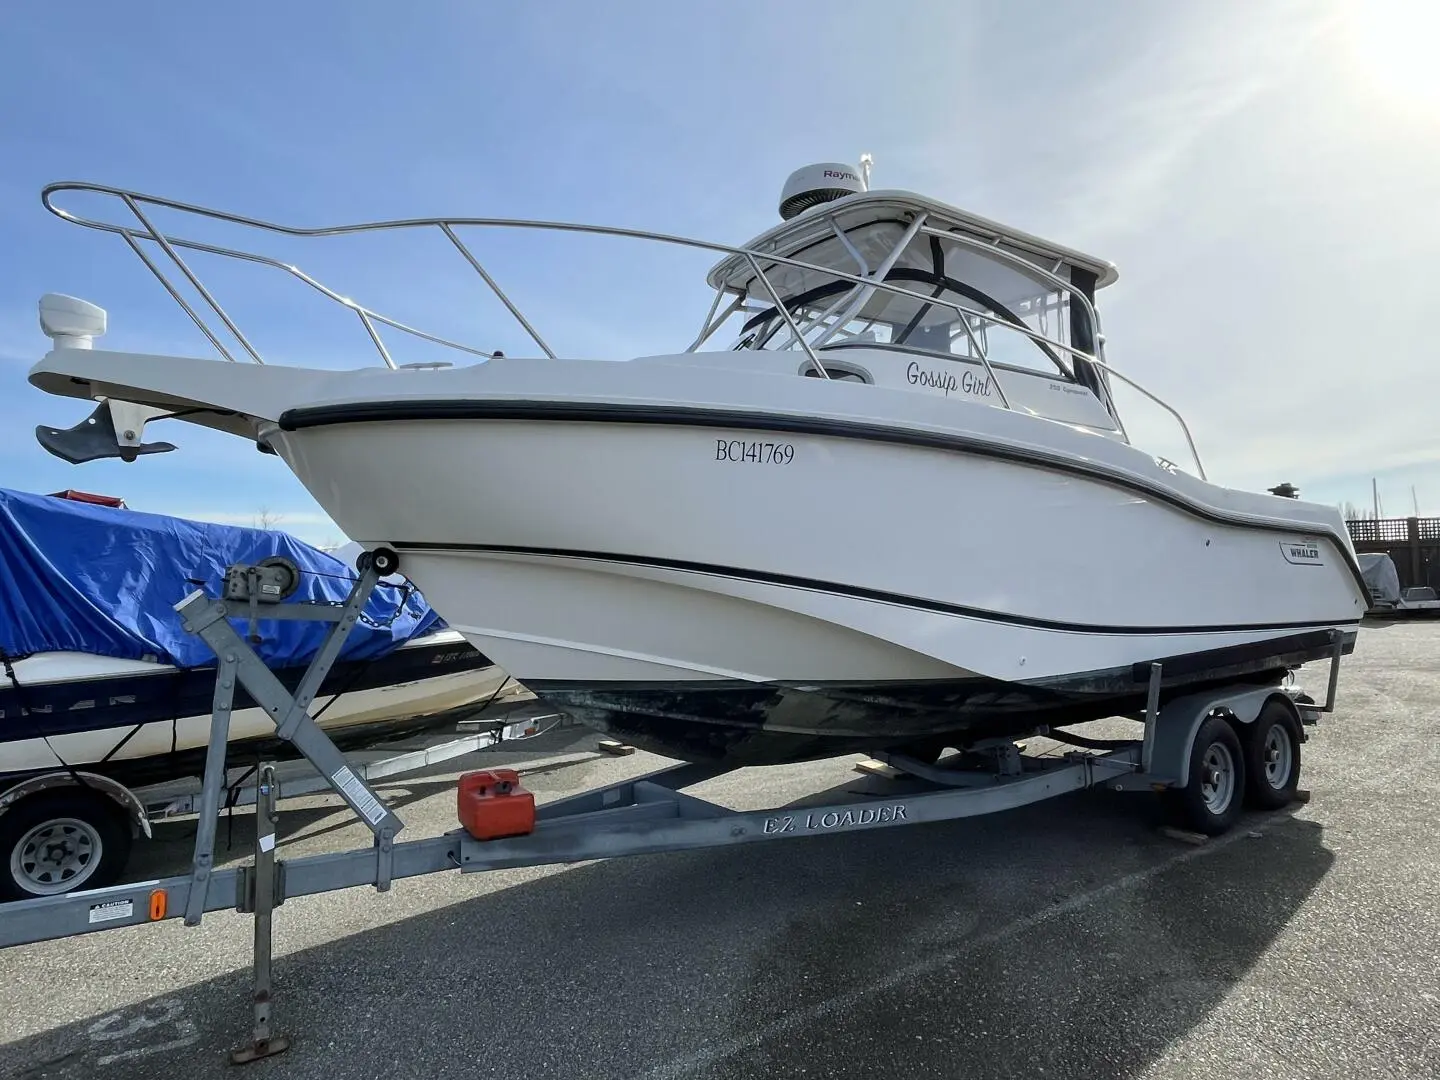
column 149, row 746
column 756, row 566
column 648, row 582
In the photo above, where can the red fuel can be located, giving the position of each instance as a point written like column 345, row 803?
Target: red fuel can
column 491, row 804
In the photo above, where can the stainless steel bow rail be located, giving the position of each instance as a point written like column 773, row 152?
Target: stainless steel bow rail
column 649, row 814
column 867, row 282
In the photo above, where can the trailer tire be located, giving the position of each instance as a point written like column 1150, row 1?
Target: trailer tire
column 84, row 835
column 1272, row 757
column 1214, row 795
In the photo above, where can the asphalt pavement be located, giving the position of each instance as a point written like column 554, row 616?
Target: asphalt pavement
column 1068, row 939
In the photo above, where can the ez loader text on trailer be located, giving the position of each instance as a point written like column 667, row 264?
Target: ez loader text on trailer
column 1209, row 753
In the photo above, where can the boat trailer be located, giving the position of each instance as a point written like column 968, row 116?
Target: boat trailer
column 1194, row 750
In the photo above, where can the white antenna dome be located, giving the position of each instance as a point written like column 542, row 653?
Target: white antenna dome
column 816, row 184
column 70, row 322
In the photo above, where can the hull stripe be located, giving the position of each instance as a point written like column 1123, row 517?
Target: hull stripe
column 860, row 593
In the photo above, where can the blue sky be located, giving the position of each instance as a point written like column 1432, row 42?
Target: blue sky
column 1265, row 173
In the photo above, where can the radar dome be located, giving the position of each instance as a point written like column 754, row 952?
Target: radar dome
column 816, row 184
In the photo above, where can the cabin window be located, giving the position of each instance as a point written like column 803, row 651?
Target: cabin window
column 989, row 292
column 837, row 372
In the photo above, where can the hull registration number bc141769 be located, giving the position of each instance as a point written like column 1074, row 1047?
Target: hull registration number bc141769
column 757, row 453
column 823, row 821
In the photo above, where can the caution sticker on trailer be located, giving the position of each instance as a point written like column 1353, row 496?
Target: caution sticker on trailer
column 111, row 910
column 371, row 808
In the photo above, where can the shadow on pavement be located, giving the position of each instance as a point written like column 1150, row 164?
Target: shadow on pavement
column 1069, row 938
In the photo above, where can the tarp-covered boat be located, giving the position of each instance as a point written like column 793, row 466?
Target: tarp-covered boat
column 98, row 670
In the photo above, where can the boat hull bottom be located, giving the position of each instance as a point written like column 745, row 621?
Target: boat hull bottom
column 744, row 723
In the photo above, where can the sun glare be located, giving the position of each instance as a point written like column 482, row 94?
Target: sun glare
column 1392, row 44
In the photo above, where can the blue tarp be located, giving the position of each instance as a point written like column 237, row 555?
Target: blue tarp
column 95, row 579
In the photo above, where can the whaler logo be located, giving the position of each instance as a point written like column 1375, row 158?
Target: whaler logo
column 1302, row 552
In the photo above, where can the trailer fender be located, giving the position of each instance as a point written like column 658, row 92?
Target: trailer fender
column 1180, row 721
column 127, row 799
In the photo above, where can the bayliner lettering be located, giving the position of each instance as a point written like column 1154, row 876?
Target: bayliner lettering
column 758, row 453
column 835, row 819
column 968, row 382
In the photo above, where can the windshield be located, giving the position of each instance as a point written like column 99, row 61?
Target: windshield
column 988, row 291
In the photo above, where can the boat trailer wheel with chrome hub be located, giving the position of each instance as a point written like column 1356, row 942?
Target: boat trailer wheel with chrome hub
column 1272, row 757
column 1217, row 785
column 1234, row 766
column 1277, row 757
column 1210, row 802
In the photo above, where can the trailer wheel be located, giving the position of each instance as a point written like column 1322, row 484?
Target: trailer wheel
column 1272, row 757
column 58, row 841
column 1213, row 797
